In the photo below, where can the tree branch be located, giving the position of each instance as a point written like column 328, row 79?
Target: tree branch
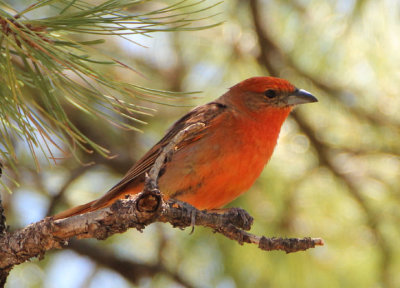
column 145, row 208
column 138, row 212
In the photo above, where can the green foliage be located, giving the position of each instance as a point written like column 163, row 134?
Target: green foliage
column 44, row 66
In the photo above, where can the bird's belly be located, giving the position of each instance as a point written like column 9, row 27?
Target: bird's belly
column 211, row 175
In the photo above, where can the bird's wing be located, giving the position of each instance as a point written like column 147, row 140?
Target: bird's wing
column 206, row 114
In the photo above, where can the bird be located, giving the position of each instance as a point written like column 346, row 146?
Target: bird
column 225, row 157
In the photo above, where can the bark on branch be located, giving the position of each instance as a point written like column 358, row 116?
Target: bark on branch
column 137, row 212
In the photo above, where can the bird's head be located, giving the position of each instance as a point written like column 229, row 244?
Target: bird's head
column 258, row 94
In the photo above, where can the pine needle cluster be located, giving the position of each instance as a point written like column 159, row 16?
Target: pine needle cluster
column 44, row 64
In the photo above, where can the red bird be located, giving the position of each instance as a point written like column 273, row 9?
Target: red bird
column 224, row 159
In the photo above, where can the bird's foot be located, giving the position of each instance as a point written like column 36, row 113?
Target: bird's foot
column 191, row 216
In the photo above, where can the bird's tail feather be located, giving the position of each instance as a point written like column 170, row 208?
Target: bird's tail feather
column 106, row 200
column 88, row 207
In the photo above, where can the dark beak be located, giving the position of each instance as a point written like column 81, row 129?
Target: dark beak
column 300, row 97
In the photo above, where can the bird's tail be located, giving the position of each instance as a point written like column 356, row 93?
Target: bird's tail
column 88, row 207
column 117, row 192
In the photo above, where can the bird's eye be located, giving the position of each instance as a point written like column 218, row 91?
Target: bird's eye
column 270, row 93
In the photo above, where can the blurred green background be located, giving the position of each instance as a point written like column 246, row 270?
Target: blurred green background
column 335, row 173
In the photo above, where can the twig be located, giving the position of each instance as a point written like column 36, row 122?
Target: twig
column 167, row 152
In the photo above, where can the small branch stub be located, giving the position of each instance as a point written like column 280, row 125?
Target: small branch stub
column 289, row 245
column 149, row 201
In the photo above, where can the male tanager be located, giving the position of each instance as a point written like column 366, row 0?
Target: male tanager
column 224, row 158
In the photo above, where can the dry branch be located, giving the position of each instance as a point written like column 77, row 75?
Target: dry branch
column 144, row 209
column 138, row 212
